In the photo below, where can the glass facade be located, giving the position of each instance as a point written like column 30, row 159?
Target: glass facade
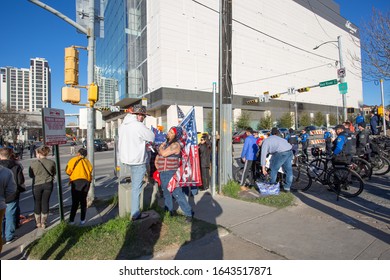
column 121, row 56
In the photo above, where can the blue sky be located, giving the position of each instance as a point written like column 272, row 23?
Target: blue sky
column 30, row 31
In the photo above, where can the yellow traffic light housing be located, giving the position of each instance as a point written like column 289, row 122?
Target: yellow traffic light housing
column 70, row 94
column 253, row 101
column 275, row 95
column 71, row 66
column 93, row 93
column 303, row 89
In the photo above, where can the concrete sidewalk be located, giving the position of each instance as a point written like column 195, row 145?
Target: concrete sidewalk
column 313, row 229
column 316, row 227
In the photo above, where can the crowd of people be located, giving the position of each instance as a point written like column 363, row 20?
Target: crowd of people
column 145, row 155
column 341, row 144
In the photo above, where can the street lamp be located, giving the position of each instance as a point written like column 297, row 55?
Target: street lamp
column 342, row 78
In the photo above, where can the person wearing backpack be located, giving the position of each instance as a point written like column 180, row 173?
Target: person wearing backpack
column 79, row 169
column 12, row 213
column 293, row 139
column 42, row 171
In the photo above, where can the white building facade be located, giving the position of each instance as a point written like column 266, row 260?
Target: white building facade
column 173, row 57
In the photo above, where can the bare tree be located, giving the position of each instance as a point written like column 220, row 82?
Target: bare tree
column 375, row 46
column 11, row 122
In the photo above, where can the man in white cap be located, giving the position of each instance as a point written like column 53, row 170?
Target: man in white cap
column 133, row 137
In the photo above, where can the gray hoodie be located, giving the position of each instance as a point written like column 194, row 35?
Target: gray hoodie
column 7, row 185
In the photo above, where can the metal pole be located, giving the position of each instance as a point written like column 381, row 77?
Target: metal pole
column 214, row 143
column 296, row 112
column 226, row 93
column 342, row 79
column 59, row 184
column 90, row 109
column 383, row 106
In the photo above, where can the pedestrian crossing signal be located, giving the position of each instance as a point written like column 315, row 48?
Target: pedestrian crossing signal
column 303, row 89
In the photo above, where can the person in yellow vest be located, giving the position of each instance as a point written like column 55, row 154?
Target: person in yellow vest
column 79, row 169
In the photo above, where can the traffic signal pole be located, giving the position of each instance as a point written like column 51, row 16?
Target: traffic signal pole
column 91, row 54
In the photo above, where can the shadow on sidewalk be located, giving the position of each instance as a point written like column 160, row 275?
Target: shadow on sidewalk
column 356, row 205
column 210, row 247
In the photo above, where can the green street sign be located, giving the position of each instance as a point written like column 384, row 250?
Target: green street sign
column 328, row 83
column 343, row 88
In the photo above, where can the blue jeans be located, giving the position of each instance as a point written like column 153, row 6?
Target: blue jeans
column 9, row 222
column 137, row 176
column 284, row 160
column 165, row 177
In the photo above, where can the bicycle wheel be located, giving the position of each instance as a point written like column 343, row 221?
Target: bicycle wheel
column 380, row 165
column 361, row 167
column 302, row 181
column 316, row 168
column 345, row 182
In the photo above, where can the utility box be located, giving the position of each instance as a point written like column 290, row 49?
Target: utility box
column 148, row 196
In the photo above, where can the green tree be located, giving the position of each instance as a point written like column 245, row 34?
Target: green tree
column 305, row 119
column 319, row 119
column 265, row 123
column 332, row 119
column 286, row 120
column 243, row 121
column 209, row 122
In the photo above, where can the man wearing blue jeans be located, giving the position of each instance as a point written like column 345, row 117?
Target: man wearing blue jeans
column 282, row 156
column 133, row 137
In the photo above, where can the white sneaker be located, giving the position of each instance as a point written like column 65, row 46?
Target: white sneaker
column 82, row 222
column 71, row 223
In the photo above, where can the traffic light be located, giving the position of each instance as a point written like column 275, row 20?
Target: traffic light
column 303, row 89
column 253, row 101
column 93, row 93
column 71, row 66
column 70, row 94
column 275, row 95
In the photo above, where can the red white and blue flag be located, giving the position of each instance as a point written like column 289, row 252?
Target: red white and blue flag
column 188, row 174
column 180, row 114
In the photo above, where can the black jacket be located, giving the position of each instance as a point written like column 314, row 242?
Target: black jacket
column 17, row 171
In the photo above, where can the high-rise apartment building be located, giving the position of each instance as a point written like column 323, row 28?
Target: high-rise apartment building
column 40, row 84
column 26, row 89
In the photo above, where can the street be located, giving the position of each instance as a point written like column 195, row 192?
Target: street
column 104, row 173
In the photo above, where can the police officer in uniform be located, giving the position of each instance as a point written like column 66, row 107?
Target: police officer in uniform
column 362, row 139
column 341, row 147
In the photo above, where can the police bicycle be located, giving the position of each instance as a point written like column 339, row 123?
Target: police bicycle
column 339, row 177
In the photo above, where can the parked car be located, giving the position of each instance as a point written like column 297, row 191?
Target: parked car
column 99, row 145
column 239, row 137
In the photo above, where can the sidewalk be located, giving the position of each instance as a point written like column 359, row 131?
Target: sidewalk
column 317, row 227
column 312, row 229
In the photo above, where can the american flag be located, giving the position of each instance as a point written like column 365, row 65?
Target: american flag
column 180, row 114
column 188, row 174
column 159, row 137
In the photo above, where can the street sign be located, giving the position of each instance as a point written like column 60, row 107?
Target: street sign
column 328, row 83
column 291, row 91
column 53, row 126
column 343, row 88
column 341, row 73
